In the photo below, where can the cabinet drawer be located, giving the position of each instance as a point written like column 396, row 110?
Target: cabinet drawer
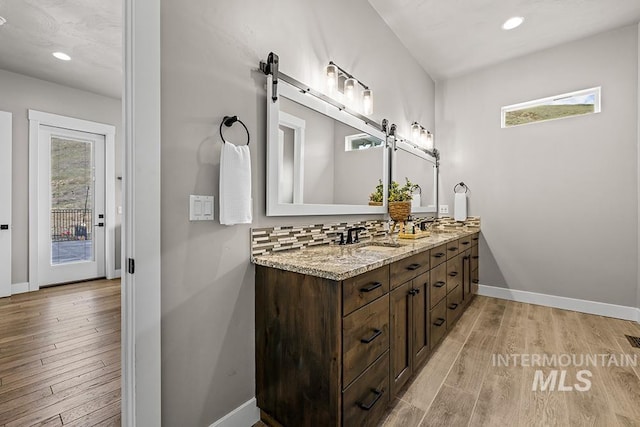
column 406, row 269
column 366, row 400
column 475, row 238
column 438, row 284
column 365, row 334
column 438, row 322
column 360, row 290
column 438, row 255
column 453, row 249
column 474, row 258
column 465, row 243
column 454, row 305
column 454, row 273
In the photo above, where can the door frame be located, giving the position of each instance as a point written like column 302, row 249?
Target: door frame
column 37, row 119
column 141, row 305
column 7, row 118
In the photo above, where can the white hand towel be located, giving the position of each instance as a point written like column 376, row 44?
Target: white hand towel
column 235, row 185
column 460, row 207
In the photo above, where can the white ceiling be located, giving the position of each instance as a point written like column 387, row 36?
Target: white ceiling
column 90, row 31
column 454, row 37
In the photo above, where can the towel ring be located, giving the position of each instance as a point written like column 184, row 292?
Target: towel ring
column 461, row 184
column 228, row 121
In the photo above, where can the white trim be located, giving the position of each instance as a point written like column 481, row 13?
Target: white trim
column 40, row 118
column 19, row 288
column 580, row 305
column 298, row 126
column 274, row 207
column 244, row 415
column 597, row 107
column 141, row 314
column 117, row 274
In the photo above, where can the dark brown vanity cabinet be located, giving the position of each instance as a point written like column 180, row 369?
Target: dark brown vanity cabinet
column 335, row 353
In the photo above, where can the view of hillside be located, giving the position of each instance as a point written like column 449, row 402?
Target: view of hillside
column 546, row 112
column 71, row 174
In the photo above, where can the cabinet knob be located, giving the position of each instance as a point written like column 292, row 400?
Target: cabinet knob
column 439, row 284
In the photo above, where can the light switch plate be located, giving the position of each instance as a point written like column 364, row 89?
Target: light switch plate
column 444, row 209
column 200, row 208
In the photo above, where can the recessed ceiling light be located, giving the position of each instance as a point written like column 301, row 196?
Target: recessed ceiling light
column 62, row 56
column 512, row 22
column 2, row 21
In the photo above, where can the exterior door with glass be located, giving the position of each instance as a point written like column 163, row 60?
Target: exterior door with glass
column 71, row 206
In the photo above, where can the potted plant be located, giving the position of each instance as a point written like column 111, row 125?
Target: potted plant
column 375, row 198
column 399, row 198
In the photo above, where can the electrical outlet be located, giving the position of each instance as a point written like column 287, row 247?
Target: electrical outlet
column 444, row 209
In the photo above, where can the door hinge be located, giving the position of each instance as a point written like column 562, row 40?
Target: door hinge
column 131, row 265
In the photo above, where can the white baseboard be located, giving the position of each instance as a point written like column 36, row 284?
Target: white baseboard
column 580, row 305
column 19, row 288
column 117, row 274
column 244, row 415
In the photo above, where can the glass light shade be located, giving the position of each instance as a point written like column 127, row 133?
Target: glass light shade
column 430, row 141
column 367, row 102
column 332, row 77
column 350, row 86
column 423, row 138
column 415, row 132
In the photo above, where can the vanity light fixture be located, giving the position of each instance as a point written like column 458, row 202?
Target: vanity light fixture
column 367, row 102
column 62, row 56
column 349, row 87
column 513, row 22
column 421, row 137
column 332, row 77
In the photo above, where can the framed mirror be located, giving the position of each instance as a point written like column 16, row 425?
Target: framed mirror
column 410, row 162
column 320, row 160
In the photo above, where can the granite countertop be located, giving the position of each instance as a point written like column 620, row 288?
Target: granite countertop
column 335, row 262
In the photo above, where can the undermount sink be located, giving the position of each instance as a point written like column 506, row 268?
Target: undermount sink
column 378, row 246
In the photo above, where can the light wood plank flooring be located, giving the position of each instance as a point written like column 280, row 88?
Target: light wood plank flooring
column 60, row 356
column 460, row 386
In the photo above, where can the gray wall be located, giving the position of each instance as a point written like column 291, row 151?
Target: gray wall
column 356, row 172
column 21, row 93
column 210, row 52
column 638, row 301
column 558, row 200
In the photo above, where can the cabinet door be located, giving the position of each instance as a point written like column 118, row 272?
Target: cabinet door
column 400, row 312
column 420, row 303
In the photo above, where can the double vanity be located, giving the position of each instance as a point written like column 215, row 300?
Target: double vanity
column 340, row 329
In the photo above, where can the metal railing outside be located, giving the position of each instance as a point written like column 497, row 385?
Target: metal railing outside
column 71, row 224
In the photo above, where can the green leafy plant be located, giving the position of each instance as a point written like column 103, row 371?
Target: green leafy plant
column 377, row 195
column 396, row 192
column 404, row 193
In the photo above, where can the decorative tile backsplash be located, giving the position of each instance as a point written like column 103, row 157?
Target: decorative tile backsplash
column 283, row 238
column 275, row 239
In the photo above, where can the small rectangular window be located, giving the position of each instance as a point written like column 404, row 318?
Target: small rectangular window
column 361, row 141
column 551, row 108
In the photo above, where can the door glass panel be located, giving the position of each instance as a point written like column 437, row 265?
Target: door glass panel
column 72, row 200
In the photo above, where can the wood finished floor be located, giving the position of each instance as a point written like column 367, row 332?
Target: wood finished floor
column 60, row 356
column 460, row 387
